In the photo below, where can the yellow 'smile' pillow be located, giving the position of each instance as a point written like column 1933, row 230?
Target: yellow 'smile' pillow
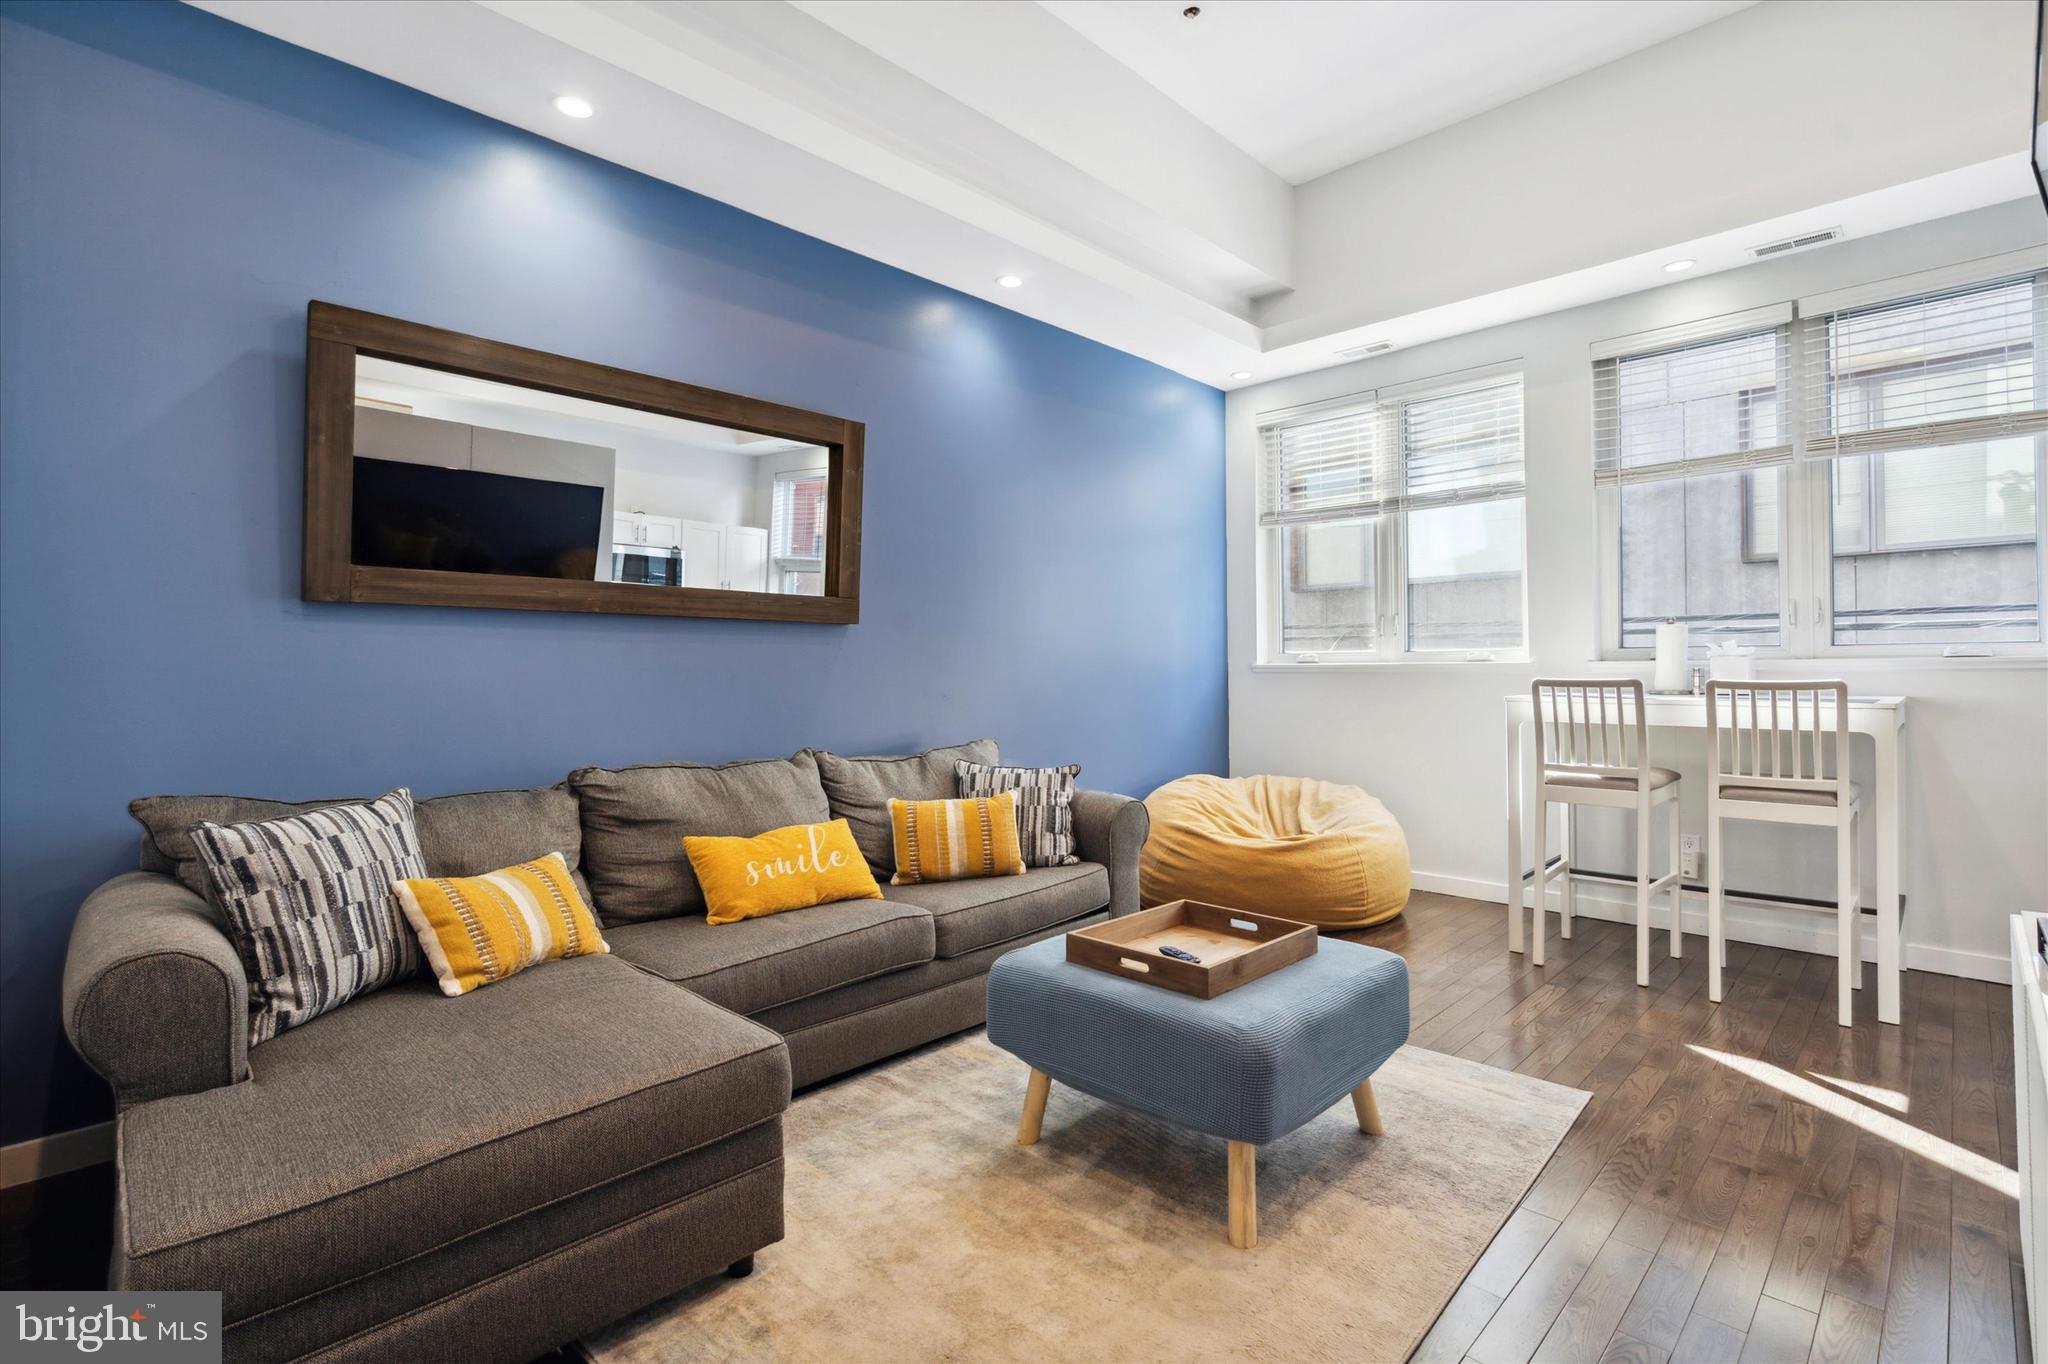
column 479, row 929
column 792, row 868
column 951, row 840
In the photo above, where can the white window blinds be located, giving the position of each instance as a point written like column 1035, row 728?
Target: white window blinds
column 796, row 519
column 1688, row 401
column 1324, row 467
column 1942, row 368
column 1463, row 446
column 1374, row 457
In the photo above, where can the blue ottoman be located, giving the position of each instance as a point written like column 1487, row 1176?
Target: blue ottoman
column 1247, row 1066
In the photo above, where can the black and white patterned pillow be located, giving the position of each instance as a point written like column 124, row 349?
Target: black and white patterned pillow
column 1045, row 806
column 308, row 902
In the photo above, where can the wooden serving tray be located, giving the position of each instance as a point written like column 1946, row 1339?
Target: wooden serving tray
column 1236, row 946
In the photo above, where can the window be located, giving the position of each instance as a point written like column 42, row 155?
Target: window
column 1461, row 459
column 1926, row 420
column 796, row 532
column 1904, row 515
column 1393, row 523
column 1690, row 443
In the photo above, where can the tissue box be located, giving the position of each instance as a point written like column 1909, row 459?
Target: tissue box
column 1731, row 663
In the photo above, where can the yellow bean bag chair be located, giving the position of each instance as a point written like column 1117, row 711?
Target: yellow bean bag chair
column 1315, row 851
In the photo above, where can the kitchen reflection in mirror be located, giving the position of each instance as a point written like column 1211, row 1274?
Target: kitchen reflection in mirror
column 470, row 476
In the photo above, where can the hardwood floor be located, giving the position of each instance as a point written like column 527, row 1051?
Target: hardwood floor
column 1751, row 1181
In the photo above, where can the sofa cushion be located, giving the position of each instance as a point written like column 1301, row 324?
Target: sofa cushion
column 461, row 835
column 635, row 818
column 570, row 1267
column 479, row 930
column 404, row 1120
column 860, row 790
column 756, row 964
column 308, row 902
column 781, row 870
column 971, row 914
column 955, row 840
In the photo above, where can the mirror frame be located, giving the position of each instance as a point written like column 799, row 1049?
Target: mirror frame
column 335, row 336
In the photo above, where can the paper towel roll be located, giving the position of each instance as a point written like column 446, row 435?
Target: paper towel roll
column 1671, row 647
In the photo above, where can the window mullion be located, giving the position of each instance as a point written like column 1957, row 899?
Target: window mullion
column 1394, row 557
column 1394, row 577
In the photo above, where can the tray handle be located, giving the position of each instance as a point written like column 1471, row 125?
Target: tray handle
column 1132, row 963
column 1246, row 924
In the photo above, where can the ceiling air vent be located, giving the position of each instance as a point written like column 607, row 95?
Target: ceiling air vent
column 1799, row 243
column 1369, row 348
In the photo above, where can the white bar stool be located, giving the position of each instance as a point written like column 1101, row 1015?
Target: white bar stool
column 1593, row 748
column 1758, row 769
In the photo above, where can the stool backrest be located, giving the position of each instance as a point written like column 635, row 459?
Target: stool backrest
column 1591, row 726
column 1781, row 736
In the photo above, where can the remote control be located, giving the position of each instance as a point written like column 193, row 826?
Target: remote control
column 1178, row 955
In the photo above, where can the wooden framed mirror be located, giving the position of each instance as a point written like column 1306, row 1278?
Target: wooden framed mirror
column 446, row 470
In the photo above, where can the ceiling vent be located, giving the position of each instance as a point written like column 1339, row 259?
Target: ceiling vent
column 1369, row 348
column 1799, row 243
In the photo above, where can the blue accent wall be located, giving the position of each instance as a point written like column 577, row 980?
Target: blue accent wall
column 1043, row 556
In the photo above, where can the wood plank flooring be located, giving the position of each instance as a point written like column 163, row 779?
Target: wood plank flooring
column 1751, row 1181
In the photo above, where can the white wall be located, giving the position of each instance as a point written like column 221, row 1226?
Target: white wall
column 697, row 485
column 1427, row 738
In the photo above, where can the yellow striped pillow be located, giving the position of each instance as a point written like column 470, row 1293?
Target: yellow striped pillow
column 951, row 840
column 479, row 929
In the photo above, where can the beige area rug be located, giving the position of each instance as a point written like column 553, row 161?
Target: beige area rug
column 919, row 1230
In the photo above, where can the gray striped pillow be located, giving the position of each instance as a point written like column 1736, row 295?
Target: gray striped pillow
column 1045, row 806
column 308, row 902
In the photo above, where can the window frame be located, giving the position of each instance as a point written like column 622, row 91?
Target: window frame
column 1806, row 558
column 1608, row 498
column 1389, row 528
column 787, row 565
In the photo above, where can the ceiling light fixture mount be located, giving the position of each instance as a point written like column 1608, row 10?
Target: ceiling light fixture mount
column 1010, row 281
column 1241, row 374
column 1191, row 12
column 574, row 106
column 1678, row 267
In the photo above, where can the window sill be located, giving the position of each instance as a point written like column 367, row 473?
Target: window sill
column 1511, row 663
column 1824, row 665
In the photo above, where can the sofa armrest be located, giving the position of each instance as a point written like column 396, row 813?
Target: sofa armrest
column 1110, row 829
column 155, row 998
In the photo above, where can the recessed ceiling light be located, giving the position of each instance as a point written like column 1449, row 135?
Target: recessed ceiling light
column 1679, row 266
column 1242, row 374
column 574, row 106
column 1010, row 281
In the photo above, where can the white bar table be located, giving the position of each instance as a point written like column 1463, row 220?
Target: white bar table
column 1879, row 717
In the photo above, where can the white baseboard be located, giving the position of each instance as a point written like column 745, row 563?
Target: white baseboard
column 1795, row 929
column 1463, row 886
column 24, row 1162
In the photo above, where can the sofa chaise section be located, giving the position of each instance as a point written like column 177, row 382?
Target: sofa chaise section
column 411, row 1176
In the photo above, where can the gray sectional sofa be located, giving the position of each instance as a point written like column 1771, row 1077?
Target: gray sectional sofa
column 413, row 1177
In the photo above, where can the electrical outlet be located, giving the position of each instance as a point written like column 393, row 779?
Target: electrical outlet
column 1689, row 857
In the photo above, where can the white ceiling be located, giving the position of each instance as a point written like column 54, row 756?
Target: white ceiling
column 394, row 381
column 1306, row 86
column 962, row 140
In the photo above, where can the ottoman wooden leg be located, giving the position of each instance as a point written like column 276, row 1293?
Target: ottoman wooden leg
column 1034, row 1108
column 1368, row 1110
column 1244, row 1195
